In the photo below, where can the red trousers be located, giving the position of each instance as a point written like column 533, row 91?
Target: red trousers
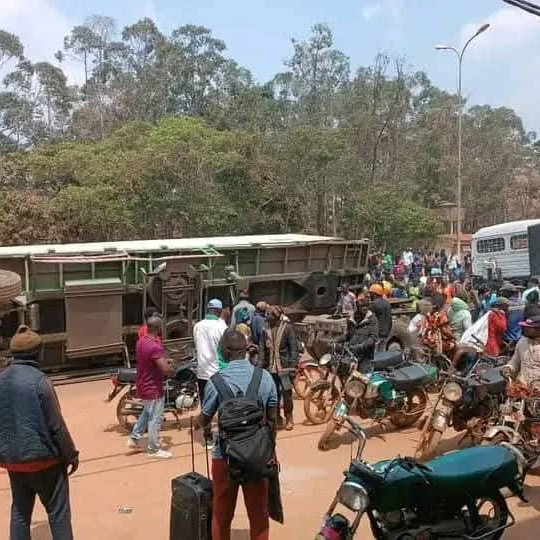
column 225, row 495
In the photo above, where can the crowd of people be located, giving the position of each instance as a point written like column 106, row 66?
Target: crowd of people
column 231, row 345
column 251, row 350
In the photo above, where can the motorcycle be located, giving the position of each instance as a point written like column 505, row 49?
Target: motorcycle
column 457, row 495
column 399, row 395
column 519, row 422
column 464, row 403
column 181, row 394
column 306, row 373
column 325, row 393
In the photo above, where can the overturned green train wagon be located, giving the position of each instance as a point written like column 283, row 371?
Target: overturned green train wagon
column 87, row 299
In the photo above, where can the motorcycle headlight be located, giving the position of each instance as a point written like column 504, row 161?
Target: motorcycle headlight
column 353, row 496
column 325, row 359
column 355, row 389
column 452, row 392
column 439, row 421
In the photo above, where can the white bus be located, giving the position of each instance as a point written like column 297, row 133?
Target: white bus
column 504, row 248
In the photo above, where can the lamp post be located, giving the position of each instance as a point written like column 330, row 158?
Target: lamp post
column 460, row 55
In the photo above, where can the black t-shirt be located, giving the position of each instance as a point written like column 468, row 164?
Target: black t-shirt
column 383, row 312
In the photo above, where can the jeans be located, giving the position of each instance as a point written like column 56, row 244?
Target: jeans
column 52, row 487
column 225, row 495
column 151, row 418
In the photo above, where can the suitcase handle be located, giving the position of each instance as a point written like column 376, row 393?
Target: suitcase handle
column 193, row 451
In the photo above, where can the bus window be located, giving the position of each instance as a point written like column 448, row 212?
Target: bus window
column 490, row 245
column 520, row 241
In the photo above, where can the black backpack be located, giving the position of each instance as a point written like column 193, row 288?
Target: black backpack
column 245, row 438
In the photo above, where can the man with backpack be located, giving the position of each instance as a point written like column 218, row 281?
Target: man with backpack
column 245, row 399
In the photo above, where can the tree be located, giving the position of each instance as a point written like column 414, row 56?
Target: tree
column 316, row 72
column 10, row 48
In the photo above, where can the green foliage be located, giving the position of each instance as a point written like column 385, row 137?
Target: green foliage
column 168, row 136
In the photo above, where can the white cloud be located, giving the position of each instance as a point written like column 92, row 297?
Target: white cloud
column 381, row 8
column 510, row 27
column 506, row 55
column 41, row 28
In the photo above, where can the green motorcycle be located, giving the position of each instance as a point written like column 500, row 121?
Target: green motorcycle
column 457, row 495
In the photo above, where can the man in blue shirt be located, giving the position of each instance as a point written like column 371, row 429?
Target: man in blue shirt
column 515, row 313
column 237, row 375
column 258, row 323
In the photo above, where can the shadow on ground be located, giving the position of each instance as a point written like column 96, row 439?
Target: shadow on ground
column 240, row 534
column 41, row 531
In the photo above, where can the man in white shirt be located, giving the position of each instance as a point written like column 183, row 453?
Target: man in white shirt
column 206, row 336
column 408, row 259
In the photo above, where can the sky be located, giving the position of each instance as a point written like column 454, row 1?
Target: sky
column 501, row 68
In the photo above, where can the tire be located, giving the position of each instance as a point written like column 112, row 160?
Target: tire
column 304, row 378
column 394, row 345
column 498, row 516
column 10, row 286
column 427, row 446
column 326, row 435
column 177, row 328
column 503, row 438
column 319, row 403
column 125, row 414
column 415, row 406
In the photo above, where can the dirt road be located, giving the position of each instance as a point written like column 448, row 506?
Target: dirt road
column 110, row 477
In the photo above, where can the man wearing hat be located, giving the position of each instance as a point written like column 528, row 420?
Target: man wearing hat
column 206, row 336
column 35, row 445
column 525, row 363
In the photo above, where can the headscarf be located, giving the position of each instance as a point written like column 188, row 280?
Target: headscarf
column 458, row 305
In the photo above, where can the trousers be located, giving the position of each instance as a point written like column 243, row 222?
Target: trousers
column 225, row 496
column 52, row 487
column 285, row 394
column 150, row 419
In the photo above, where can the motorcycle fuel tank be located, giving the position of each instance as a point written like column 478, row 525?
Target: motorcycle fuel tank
column 379, row 386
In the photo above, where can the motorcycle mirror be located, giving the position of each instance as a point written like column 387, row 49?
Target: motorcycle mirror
column 325, row 359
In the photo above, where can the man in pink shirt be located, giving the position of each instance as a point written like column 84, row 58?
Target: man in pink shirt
column 152, row 368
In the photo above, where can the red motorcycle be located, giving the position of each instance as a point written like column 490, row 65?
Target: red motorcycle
column 307, row 372
column 180, row 394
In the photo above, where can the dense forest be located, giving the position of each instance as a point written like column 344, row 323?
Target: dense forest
column 168, row 136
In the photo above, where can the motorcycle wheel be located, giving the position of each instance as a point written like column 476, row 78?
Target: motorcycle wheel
column 428, row 445
column 331, row 426
column 501, row 438
column 493, row 513
column 304, row 379
column 319, row 404
column 414, row 408
column 126, row 414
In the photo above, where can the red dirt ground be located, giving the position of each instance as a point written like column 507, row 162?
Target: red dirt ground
column 110, row 477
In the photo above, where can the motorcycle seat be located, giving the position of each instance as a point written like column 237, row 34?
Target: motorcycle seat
column 492, row 381
column 386, row 359
column 410, row 377
column 477, row 470
column 474, row 472
column 127, row 375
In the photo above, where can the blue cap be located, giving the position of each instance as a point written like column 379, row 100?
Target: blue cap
column 215, row 303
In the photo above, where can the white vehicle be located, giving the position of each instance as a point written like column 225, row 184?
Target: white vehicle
column 504, row 248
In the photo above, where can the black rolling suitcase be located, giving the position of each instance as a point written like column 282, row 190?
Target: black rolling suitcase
column 191, row 504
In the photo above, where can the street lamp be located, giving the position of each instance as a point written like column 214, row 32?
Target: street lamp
column 460, row 55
